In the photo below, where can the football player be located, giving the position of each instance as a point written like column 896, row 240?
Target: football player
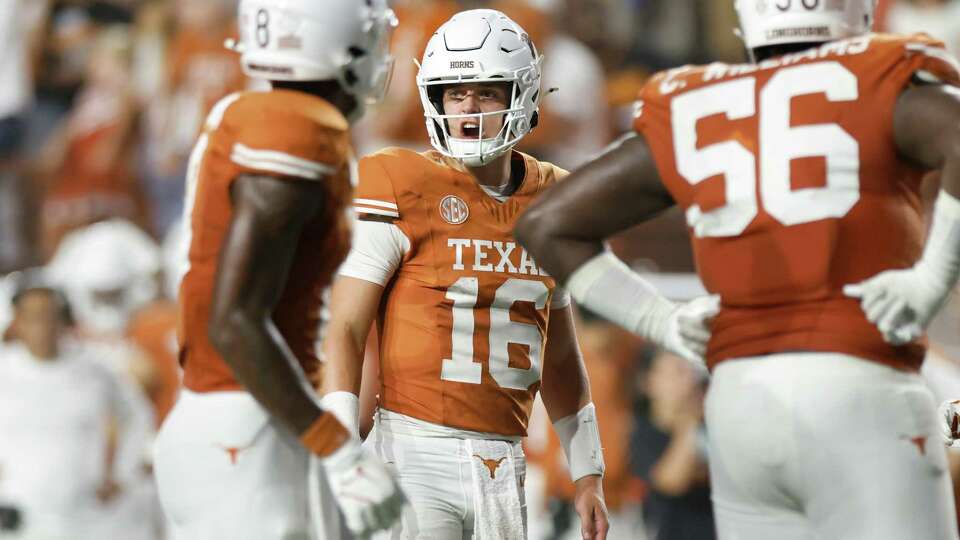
column 799, row 174
column 470, row 327
column 269, row 184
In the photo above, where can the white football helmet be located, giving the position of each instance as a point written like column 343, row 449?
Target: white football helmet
column 481, row 45
column 780, row 22
column 108, row 271
column 314, row 40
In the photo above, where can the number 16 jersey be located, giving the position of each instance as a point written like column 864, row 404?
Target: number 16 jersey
column 465, row 310
column 793, row 187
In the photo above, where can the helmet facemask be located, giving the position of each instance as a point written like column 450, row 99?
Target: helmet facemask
column 480, row 47
column 367, row 75
column 479, row 150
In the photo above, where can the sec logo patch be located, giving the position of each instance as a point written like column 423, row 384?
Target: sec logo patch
column 453, row 210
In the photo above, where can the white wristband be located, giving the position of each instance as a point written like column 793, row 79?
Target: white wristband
column 941, row 255
column 345, row 406
column 580, row 438
column 609, row 288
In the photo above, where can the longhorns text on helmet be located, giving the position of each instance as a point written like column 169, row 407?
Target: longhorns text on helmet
column 780, row 22
column 478, row 46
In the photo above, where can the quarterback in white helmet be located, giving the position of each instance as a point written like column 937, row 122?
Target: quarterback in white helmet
column 248, row 452
column 477, row 50
column 470, row 327
column 799, row 175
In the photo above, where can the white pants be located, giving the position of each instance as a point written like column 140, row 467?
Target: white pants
column 226, row 471
column 436, row 473
column 825, row 446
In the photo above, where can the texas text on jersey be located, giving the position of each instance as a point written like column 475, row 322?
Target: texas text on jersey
column 465, row 292
column 290, row 135
column 795, row 152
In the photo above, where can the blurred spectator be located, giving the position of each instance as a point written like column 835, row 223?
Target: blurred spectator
column 68, row 37
column 199, row 71
column 68, row 437
column 669, row 451
column 20, row 21
column 112, row 11
column 110, row 271
column 153, row 29
column 89, row 161
column 939, row 18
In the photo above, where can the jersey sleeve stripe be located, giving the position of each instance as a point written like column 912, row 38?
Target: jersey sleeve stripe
column 376, row 203
column 282, row 159
column 219, row 110
column 276, row 168
column 379, row 212
column 936, row 53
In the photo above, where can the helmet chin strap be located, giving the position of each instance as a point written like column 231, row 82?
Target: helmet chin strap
column 471, row 152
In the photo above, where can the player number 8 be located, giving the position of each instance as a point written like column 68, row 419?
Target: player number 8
column 263, row 28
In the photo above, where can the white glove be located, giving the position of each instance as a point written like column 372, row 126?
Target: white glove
column 949, row 415
column 688, row 328
column 608, row 287
column 900, row 303
column 367, row 492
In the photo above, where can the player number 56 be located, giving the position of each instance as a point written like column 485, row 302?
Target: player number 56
column 779, row 144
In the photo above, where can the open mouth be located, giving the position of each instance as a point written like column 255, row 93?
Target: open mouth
column 470, row 130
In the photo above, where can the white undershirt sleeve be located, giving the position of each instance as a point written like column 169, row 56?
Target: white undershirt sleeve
column 377, row 251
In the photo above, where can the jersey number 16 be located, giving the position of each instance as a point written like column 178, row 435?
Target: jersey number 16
column 503, row 331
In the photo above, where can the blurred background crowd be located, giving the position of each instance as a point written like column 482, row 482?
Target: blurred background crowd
column 100, row 104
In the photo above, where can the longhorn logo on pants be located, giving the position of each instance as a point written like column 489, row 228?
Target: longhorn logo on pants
column 492, row 464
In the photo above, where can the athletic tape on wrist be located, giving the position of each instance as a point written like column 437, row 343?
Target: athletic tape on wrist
column 579, row 436
column 325, row 435
column 346, row 407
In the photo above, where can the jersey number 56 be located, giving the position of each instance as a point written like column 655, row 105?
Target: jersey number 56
column 779, row 144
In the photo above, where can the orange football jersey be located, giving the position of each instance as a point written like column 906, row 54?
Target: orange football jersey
column 290, row 135
column 463, row 321
column 793, row 187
